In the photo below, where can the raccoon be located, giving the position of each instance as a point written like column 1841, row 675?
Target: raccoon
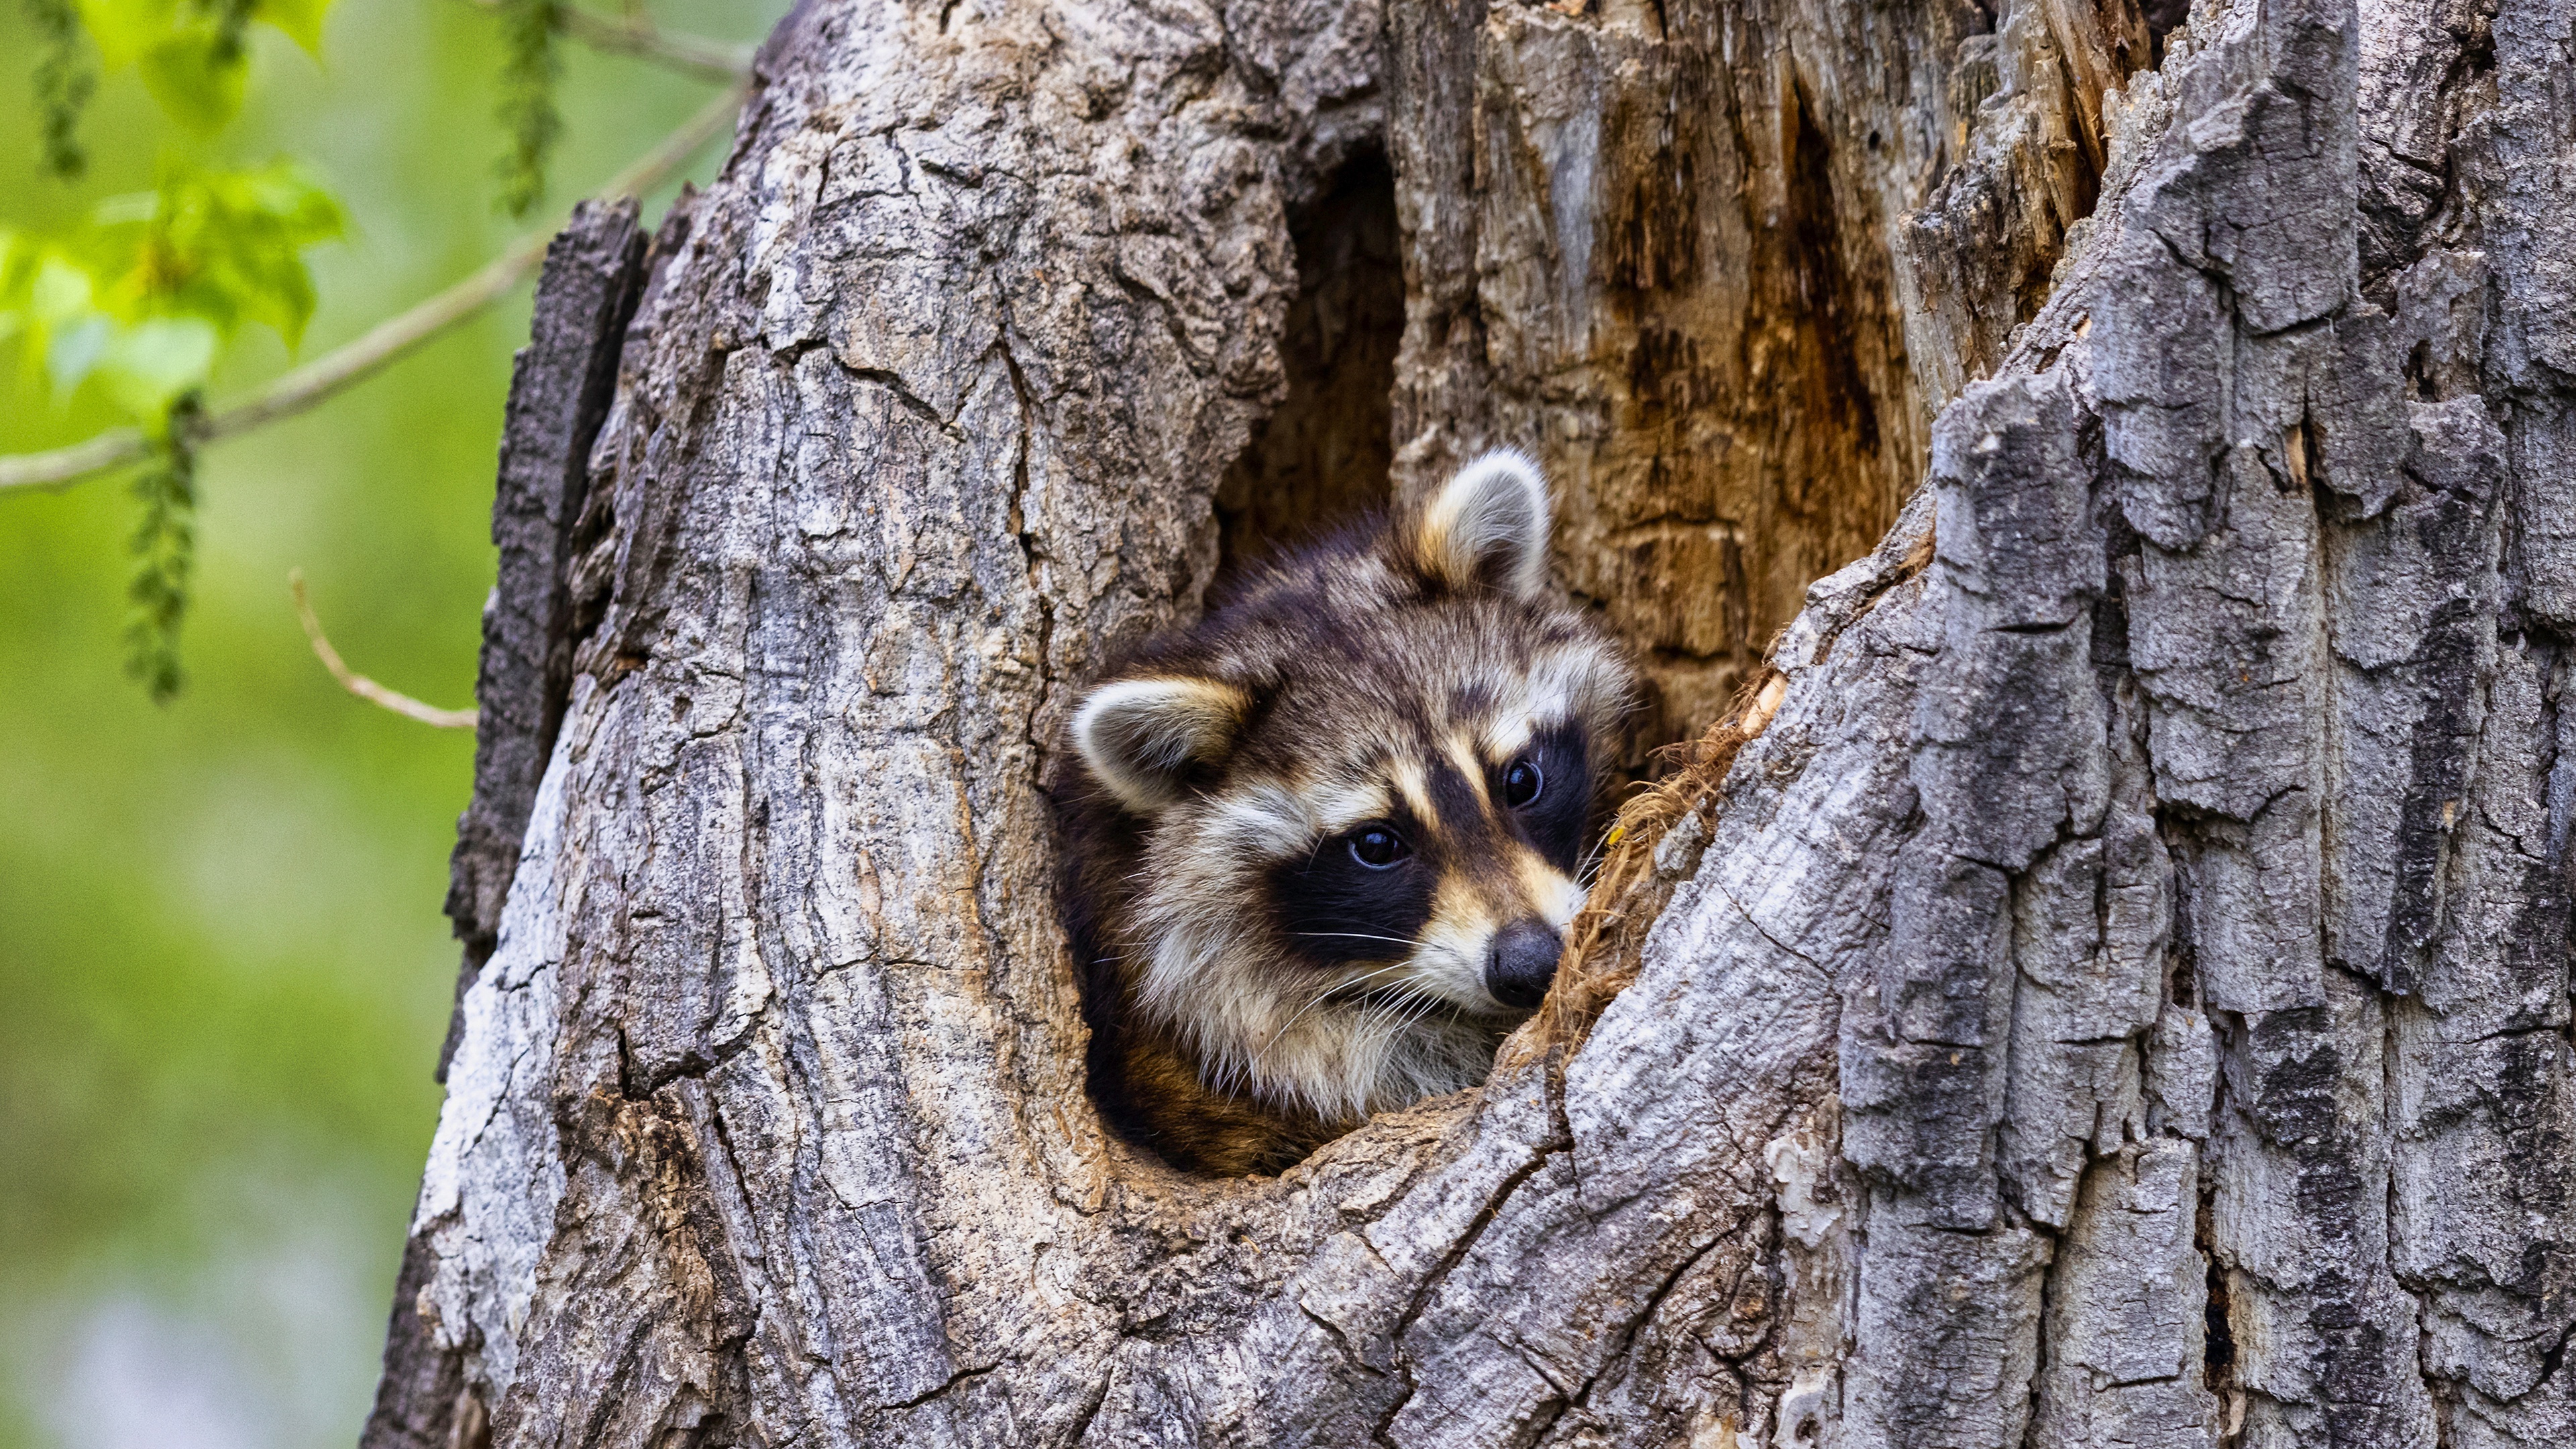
column 1322, row 848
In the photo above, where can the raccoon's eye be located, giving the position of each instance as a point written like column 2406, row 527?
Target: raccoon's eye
column 1522, row 783
column 1377, row 847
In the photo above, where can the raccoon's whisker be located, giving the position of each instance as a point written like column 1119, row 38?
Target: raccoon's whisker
column 1412, row 1001
column 1429, row 1005
column 1383, row 996
column 1376, row 1006
column 1403, row 1052
column 1359, row 936
column 1384, row 1019
column 1427, row 1065
column 1373, row 1020
column 1317, row 1000
column 1589, row 869
column 1364, row 977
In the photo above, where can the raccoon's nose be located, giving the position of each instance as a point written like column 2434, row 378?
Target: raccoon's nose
column 1522, row 962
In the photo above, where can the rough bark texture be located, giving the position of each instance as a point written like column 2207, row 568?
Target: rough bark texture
column 2122, row 997
column 559, row 391
column 1716, row 262
column 559, row 394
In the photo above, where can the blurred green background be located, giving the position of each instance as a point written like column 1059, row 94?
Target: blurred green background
column 223, row 971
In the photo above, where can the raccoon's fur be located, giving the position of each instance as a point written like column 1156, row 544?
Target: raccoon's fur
column 1321, row 849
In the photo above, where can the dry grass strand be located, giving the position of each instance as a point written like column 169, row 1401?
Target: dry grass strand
column 1601, row 945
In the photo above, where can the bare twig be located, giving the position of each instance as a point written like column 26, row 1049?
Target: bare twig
column 336, row 371
column 634, row 33
column 359, row 684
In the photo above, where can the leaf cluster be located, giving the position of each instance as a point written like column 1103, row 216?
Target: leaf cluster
column 143, row 298
column 139, row 302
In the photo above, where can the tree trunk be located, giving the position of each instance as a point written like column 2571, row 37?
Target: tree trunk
column 2121, row 998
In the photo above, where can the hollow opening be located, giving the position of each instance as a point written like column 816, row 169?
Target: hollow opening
column 1323, row 457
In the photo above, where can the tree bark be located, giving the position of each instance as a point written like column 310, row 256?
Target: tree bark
column 2120, row 998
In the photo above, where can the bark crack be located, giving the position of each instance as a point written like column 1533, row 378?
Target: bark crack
column 961, row 1376
column 1449, row 1261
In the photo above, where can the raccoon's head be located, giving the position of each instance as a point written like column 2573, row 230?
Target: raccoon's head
column 1359, row 798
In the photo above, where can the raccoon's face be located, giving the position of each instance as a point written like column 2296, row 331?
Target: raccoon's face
column 1362, row 796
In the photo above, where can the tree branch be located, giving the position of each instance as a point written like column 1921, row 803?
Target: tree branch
column 395, row 337
column 635, row 34
column 359, row 684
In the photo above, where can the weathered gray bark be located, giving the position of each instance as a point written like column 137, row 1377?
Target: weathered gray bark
column 2122, row 998
column 559, row 393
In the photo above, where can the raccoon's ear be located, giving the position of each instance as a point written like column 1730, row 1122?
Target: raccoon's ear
column 1139, row 736
column 1488, row 525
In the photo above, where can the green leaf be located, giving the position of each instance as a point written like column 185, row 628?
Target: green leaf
column 146, row 297
column 196, row 77
column 59, row 291
column 149, row 366
column 191, row 52
column 65, row 330
column 129, row 206
column 301, row 20
column 73, row 350
column 228, row 247
column 125, row 29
